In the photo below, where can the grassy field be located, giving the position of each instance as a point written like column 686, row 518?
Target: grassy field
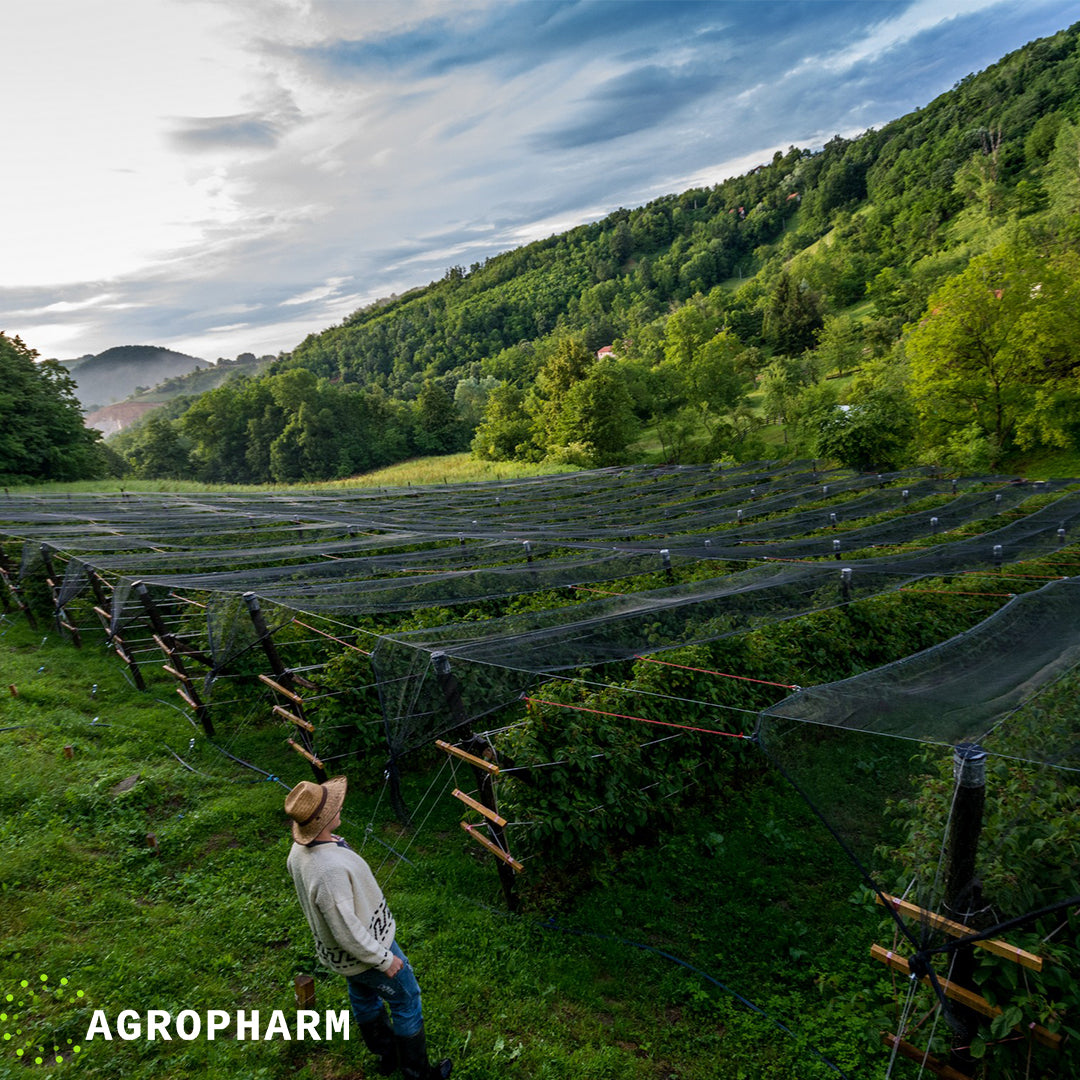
column 447, row 469
column 711, row 952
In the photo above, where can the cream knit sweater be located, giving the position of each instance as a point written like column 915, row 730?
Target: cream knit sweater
column 345, row 907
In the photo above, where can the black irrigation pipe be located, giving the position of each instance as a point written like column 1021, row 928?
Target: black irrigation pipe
column 1009, row 924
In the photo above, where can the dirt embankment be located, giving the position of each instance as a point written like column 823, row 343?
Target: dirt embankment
column 114, row 418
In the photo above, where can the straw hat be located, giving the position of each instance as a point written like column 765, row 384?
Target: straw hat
column 313, row 806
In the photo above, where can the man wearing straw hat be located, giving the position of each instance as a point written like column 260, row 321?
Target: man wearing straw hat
column 354, row 931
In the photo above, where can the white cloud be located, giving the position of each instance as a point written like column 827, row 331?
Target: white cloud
column 320, row 292
column 891, row 32
column 231, row 175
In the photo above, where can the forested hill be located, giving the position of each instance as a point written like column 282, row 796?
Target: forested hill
column 886, row 199
column 117, row 373
column 726, row 308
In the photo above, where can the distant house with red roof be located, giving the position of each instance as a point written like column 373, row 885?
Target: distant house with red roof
column 607, row 350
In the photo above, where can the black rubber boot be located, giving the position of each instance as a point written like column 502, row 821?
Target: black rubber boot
column 379, row 1039
column 412, row 1054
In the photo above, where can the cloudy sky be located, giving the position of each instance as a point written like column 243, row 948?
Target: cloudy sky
column 229, row 176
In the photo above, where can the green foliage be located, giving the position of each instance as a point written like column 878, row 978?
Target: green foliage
column 1029, row 812
column 827, row 253
column 505, row 433
column 209, row 920
column 998, row 347
column 42, row 436
column 874, row 433
column 292, row 426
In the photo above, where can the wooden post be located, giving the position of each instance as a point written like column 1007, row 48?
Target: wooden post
column 102, row 611
column 5, row 602
column 14, row 590
column 480, row 748
column 963, row 891
column 187, row 691
column 304, row 988
column 266, row 639
column 59, row 615
column 484, row 781
column 282, row 675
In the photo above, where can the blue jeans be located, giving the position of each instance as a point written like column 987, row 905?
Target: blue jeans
column 369, row 989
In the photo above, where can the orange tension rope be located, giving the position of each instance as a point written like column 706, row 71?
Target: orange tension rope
column 722, row 674
column 340, row 641
column 641, row 719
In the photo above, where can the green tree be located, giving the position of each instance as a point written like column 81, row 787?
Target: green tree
column 793, row 316
column 439, row 429
column 596, row 420
column 840, row 344
column 874, row 433
column 1063, row 176
column 470, row 398
column 784, row 383
column 995, row 340
column 157, row 450
column 505, row 432
column 568, row 365
column 42, row 435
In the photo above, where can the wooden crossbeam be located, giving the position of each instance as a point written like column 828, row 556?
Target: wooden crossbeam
column 472, row 759
column 179, row 646
column 967, row 998
column 495, row 850
column 479, row 807
column 189, row 699
column 123, row 655
column 955, row 929
column 178, row 675
column 103, row 615
column 283, row 690
column 913, row 1053
column 294, row 719
column 306, row 753
column 187, row 650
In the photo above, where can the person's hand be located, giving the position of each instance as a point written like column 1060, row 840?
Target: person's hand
column 395, row 966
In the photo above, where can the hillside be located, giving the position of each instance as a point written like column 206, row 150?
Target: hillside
column 116, row 373
column 201, row 379
column 726, row 307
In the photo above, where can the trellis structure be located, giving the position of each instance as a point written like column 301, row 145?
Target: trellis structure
column 621, row 564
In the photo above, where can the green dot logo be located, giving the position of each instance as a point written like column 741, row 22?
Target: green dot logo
column 34, row 1020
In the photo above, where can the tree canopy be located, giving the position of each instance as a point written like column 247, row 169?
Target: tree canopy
column 723, row 309
column 42, row 435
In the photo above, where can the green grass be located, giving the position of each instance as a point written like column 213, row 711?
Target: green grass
column 446, row 469
column 460, row 468
column 208, row 919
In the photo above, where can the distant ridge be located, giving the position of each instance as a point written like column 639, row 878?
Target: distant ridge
column 114, row 374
